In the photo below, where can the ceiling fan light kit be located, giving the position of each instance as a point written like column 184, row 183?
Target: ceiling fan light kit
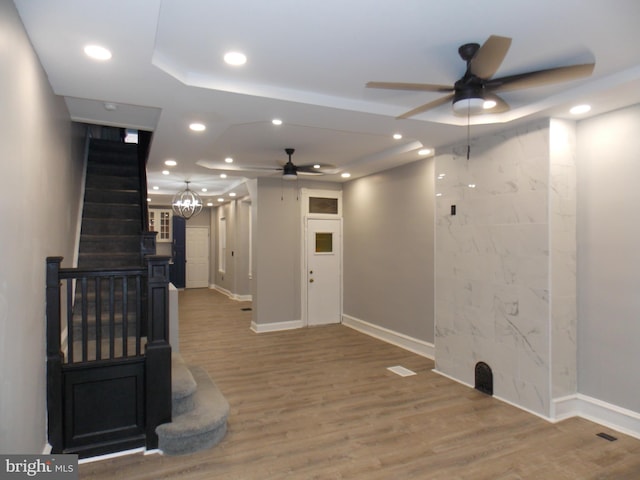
column 474, row 93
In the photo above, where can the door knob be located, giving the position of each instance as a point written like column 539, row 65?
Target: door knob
column 310, row 272
column 311, row 280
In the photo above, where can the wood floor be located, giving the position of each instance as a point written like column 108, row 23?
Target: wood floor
column 319, row 403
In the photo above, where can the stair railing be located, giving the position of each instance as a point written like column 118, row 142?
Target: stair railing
column 105, row 317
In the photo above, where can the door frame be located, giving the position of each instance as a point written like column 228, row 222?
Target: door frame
column 305, row 194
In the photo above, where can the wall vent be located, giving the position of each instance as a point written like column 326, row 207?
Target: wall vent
column 484, row 378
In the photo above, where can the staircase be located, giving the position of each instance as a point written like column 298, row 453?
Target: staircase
column 199, row 411
column 111, row 226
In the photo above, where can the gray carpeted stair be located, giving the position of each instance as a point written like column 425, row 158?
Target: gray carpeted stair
column 111, row 214
column 199, row 411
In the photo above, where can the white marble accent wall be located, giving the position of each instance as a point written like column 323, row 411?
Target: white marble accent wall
column 562, row 240
column 493, row 274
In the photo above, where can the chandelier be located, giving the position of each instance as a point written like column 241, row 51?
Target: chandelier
column 186, row 203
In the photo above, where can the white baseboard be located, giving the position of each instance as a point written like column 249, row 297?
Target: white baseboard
column 107, row 456
column 231, row 295
column 612, row 416
column 276, row 326
column 419, row 347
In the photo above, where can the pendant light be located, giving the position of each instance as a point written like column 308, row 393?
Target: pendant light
column 186, row 203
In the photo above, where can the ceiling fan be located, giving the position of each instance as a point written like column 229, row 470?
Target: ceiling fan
column 290, row 171
column 475, row 92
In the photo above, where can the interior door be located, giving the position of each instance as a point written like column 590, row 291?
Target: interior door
column 324, row 271
column 197, row 257
column 178, row 252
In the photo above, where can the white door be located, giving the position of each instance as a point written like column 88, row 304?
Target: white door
column 197, row 253
column 324, row 271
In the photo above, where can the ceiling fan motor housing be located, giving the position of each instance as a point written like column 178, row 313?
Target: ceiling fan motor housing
column 468, row 98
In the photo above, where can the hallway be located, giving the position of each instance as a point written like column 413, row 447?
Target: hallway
column 320, row 403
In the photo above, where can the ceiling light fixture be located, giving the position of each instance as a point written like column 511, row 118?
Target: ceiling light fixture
column 223, row 175
column 97, row 52
column 345, row 175
column 276, row 121
column 580, row 109
column 220, row 199
column 198, row 127
column 424, row 151
column 232, row 194
column 235, row 58
column 186, row 203
column 155, row 187
column 397, row 136
column 170, row 163
column 489, row 104
column 228, row 160
column 166, row 172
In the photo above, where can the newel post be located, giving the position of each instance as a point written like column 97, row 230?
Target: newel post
column 158, row 352
column 54, row 354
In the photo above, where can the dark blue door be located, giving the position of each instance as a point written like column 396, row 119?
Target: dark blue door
column 178, row 269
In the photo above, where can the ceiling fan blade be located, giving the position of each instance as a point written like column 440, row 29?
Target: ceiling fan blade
column 322, row 169
column 540, row 77
column 422, row 87
column 489, row 57
column 233, row 168
column 427, row 106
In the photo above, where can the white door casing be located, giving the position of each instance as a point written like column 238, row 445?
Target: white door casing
column 323, row 271
column 197, row 253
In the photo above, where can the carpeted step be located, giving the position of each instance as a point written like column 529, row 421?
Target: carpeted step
column 200, row 428
column 183, row 386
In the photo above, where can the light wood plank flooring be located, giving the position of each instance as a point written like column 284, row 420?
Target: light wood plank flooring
column 319, row 403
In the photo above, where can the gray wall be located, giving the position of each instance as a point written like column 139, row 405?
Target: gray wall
column 42, row 172
column 389, row 249
column 277, row 249
column 608, row 259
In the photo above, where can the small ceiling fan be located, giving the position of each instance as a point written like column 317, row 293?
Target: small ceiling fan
column 289, row 170
column 475, row 92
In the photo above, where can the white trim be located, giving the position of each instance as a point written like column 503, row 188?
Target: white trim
column 417, row 346
column 276, row 326
column 47, row 449
column 597, row 411
column 118, row 454
column 232, row 296
column 612, row 416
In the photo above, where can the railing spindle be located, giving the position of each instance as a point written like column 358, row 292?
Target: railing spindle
column 85, row 319
column 69, row 321
column 125, row 321
column 98, row 287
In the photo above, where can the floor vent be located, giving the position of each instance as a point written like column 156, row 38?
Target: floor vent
column 246, row 309
column 606, row 436
column 484, row 378
column 403, row 372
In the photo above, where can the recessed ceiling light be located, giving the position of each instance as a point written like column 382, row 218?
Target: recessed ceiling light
column 204, row 189
column 235, row 58
column 317, row 165
column 580, row 109
column 155, row 187
column 165, row 172
column 438, row 194
column 148, row 199
column 472, row 185
column 198, row 127
column 220, row 199
column 170, row 163
column 209, row 204
column 97, row 52
column 276, row 121
column 397, row 136
column 424, row 151
column 489, row 104
column 345, row 175
column 110, row 106
column 232, row 194
column 228, row 160
column 223, row 175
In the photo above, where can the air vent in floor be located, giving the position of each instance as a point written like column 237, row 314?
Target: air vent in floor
column 403, row 372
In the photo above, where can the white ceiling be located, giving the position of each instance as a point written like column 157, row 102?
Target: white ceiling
column 308, row 63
